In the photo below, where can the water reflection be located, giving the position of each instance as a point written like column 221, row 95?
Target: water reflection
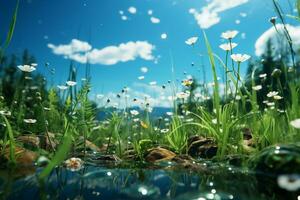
column 94, row 182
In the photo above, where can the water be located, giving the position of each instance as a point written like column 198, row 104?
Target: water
column 102, row 182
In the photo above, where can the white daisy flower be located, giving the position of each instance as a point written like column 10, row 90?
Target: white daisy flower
column 62, row 87
column 141, row 77
column 214, row 121
column 164, row 130
column 191, row 41
column 134, row 112
column 30, row 121
column 272, row 94
column 229, row 34
column 71, row 83
column 227, row 46
column 153, row 83
column 155, row 20
column 257, row 87
column 183, row 95
column 74, row 164
column 289, row 182
column 277, row 97
column 295, row 123
column 26, row 68
column 262, row 75
column 240, row 57
column 271, row 104
column 5, row 113
column 136, row 119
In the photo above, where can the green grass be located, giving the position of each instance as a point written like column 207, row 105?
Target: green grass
column 71, row 115
column 11, row 140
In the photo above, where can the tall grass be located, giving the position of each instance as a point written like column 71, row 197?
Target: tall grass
column 216, row 92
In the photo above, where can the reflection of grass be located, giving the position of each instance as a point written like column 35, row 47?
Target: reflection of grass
column 71, row 115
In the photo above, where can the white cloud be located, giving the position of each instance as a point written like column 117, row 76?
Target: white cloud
column 278, row 41
column 83, row 52
column 124, row 52
column 209, row 15
column 76, row 46
column 81, row 58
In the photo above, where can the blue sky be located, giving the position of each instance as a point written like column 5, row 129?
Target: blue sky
column 98, row 26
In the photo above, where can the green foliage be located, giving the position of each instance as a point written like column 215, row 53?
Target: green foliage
column 53, row 112
column 177, row 138
column 141, row 147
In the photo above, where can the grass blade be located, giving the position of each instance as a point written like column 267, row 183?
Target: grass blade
column 11, row 141
column 213, row 66
column 11, row 27
column 60, row 155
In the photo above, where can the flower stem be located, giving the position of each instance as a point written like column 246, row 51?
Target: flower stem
column 226, row 76
column 237, row 80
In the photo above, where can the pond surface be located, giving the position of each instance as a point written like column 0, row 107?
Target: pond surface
column 103, row 182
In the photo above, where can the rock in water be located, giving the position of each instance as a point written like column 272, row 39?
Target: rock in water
column 158, row 154
column 202, row 147
column 92, row 146
column 31, row 141
column 23, row 156
column 187, row 162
